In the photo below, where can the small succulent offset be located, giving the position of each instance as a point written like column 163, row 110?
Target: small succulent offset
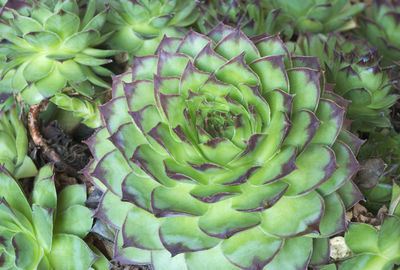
column 14, row 145
column 52, row 47
column 140, row 25
column 315, row 16
column 375, row 249
column 47, row 234
column 380, row 26
column 355, row 71
column 80, row 107
column 222, row 152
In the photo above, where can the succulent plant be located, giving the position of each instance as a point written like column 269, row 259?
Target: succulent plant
column 140, row 25
column 354, row 70
column 47, row 234
column 222, row 152
column 251, row 16
column 384, row 148
column 14, row 145
column 80, row 107
column 372, row 248
column 315, row 16
column 380, row 26
column 52, row 47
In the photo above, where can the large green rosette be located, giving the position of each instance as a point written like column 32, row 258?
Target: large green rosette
column 223, row 152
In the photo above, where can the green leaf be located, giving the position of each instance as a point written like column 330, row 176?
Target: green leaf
column 38, row 68
column 362, row 238
column 333, row 220
column 43, row 223
column 27, row 251
column 96, row 22
column 43, row 40
column 26, row 169
column 71, row 71
column 294, row 254
column 263, row 247
column 63, row 23
column 71, row 195
column 304, row 213
column 10, row 190
column 214, row 221
column 80, row 41
column 69, row 252
column 44, row 191
column 140, row 230
column 90, row 61
column 83, row 88
column 366, row 262
column 26, row 24
column 51, row 84
column 162, row 260
column 207, row 259
column 99, row 52
column 190, row 238
column 387, row 239
column 76, row 219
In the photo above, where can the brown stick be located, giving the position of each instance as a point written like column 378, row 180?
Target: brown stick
column 35, row 133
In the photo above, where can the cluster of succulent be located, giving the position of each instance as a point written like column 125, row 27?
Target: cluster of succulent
column 46, row 234
column 225, row 134
column 374, row 248
column 353, row 69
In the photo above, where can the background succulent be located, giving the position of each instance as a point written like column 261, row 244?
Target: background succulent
column 381, row 159
column 52, row 47
column 375, row 248
column 223, row 152
column 251, row 16
column 380, row 26
column 140, row 25
column 315, row 16
column 355, row 71
column 46, row 234
column 14, row 144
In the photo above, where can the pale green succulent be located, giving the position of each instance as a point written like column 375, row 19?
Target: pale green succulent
column 354, row 71
column 53, row 47
column 46, row 234
column 14, row 144
column 222, row 152
column 140, row 25
column 375, row 249
column 315, row 16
